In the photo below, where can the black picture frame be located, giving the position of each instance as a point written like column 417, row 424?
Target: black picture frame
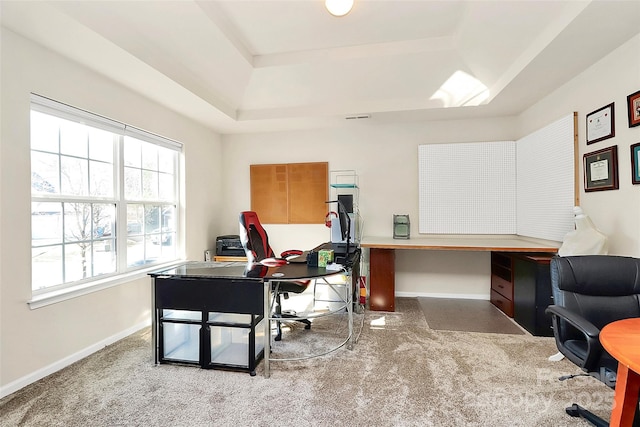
column 633, row 109
column 635, row 163
column 601, row 124
column 601, row 170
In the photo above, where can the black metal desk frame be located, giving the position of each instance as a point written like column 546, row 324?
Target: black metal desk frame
column 207, row 288
column 229, row 288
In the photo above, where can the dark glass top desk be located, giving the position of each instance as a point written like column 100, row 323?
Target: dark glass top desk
column 236, row 288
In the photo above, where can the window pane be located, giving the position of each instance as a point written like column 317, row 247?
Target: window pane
column 104, row 220
column 156, row 251
column 74, row 139
column 135, row 236
column 46, row 267
column 45, row 173
column 75, row 177
column 168, row 250
column 101, row 145
column 132, row 184
column 149, row 185
column 132, row 152
column 135, row 219
column 149, row 156
column 77, row 261
column 165, row 234
column 104, row 257
column 46, row 223
column 168, row 215
column 157, row 240
column 166, row 187
column 44, row 132
column 104, row 247
column 101, row 175
column 152, row 219
column 135, row 251
column 77, row 222
column 166, row 161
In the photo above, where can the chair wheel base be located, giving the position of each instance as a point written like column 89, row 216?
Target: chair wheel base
column 573, row 411
column 578, row 411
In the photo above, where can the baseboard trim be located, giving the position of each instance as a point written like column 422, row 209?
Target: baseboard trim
column 16, row 385
column 441, row 295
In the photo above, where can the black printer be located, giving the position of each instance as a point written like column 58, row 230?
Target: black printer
column 229, row 245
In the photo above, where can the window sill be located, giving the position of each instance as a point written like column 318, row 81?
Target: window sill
column 48, row 298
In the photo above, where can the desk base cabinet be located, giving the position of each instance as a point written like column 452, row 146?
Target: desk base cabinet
column 502, row 282
column 521, row 288
column 532, row 293
column 215, row 331
column 382, row 273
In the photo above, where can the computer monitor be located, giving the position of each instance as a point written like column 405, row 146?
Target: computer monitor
column 345, row 223
column 342, row 241
column 347, row 201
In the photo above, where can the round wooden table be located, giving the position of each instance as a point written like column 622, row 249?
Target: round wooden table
column 622, row 340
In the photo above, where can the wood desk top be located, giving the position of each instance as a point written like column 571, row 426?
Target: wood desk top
column 499, row 243
column 622, row 340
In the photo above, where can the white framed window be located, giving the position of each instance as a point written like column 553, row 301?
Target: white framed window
column 104, row 197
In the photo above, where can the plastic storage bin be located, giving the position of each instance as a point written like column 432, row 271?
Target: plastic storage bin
column 238, row 344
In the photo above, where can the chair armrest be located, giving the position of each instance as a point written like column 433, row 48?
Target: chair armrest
column 273, row 262
column 290, row 252
column 586, row 328
column 577, row 321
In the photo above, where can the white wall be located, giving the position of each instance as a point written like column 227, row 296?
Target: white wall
column 39, row 341
column 615, row 212
column 385, row 158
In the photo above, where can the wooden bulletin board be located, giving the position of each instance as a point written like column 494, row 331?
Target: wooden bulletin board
column 291, row 193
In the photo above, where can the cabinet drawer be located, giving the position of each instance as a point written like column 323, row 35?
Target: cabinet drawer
column 505, row 305
column 504, row 287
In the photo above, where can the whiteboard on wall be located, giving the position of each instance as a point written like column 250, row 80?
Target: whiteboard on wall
column 467, row 188
column 546, row 177
column 523, row 187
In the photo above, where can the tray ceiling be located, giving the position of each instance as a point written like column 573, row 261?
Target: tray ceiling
column 249, row 65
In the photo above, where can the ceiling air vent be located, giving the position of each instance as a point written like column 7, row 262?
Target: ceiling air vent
column 359, row 116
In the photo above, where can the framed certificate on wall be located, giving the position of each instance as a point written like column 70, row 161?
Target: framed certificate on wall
column 601, row 169
column 635, row 163
column 601, row 124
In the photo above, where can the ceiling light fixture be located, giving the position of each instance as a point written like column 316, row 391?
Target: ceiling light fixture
column 338, row 7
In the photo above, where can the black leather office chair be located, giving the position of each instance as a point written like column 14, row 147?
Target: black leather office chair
column 590, row 292
column 256, row 246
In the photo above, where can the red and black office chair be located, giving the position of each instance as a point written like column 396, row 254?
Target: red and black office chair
column 256, row 246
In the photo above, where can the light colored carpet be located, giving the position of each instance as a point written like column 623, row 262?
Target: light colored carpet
column 444, row 314
column 400, row 373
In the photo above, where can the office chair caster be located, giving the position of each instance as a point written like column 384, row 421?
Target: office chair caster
column 278, row 337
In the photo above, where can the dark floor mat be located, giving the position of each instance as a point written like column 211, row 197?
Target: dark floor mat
column 467, row 315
